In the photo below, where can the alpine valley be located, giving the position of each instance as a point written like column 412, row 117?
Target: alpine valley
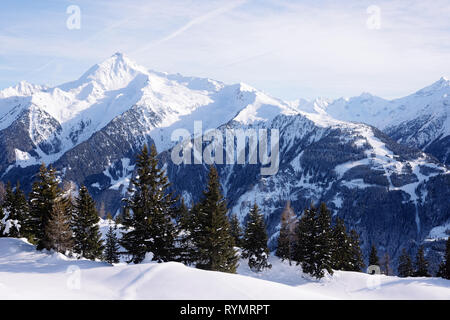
column 381, row 165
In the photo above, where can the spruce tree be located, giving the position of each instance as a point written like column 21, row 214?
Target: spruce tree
column 421, row 264
column 151, row 206
column 211, row 233
column 324, row 243
column 255, row 241
column 286, row 239
column 405, row 267
column 15, row 209
column 236, row 230
column 88, row 242
column 57, row 230
column 356, row 258
column 45, row 192
column 373, row 257
column 185, row 246
column 315, row 241
column 342, row 247
column 444, row 267
column 306, row 233
column 111, row 253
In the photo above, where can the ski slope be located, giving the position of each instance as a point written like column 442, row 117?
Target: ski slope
column 28, row 274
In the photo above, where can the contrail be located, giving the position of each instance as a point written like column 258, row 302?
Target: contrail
column 193, row 22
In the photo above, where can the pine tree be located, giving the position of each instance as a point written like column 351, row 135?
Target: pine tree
column 421, row 264
column 111, row 253
column 444, row 267
column 306, row 232
column 405, row 267
column 211, row 233
column 342, row 248
column 236, row 230
column 255, row 242
column 58, row 231
column 15, row 209
column 185, row 222
column 324, row 245
column 286, row 239
column 373, row 257
column 356, row 258
column 150, row 227
column 44, row 194
column 88, row 242
column 314, row 241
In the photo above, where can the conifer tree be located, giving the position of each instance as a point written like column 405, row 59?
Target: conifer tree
column 373, row 257
column 236, row 230
column 45, row 192
column 356, row 258
column 421, row 264
column 405, row 267
column 111, row 253
column 255, row 242
column 15, row 209
column 185, row 222
column 324, row 243
column 57, row 230
column 211, row 233
column 88, row 242
column 314, row 241
column 286, row 239
column 306, row 232
column 444, row 267
column 150, row 227
column 342, row 247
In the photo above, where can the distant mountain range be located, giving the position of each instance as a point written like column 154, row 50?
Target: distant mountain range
column 379, row 164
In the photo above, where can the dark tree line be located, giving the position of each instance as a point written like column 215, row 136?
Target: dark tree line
column 157, row 223
column 315, row 244
column 51, row 219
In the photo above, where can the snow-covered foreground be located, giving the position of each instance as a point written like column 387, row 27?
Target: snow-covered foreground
column 28, row 274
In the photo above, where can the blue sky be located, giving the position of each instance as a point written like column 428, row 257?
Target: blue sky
column 290, row 49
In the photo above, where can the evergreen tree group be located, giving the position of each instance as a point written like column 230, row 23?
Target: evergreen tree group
column 50, row 220
column 405, row 266
column 321, row 247
column 154, row 221
column 421, row 264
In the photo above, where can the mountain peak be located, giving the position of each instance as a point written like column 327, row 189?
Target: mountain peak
column 442, row 83
column 113, row 73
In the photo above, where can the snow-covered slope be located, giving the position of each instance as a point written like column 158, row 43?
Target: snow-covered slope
column 418, row 120
column 66, row 115
column 28, row 274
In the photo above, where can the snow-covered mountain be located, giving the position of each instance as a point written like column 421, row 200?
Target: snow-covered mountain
column 420, row 120
column 92, row 128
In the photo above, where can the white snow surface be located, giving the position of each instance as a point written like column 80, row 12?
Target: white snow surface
column 28, row 274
